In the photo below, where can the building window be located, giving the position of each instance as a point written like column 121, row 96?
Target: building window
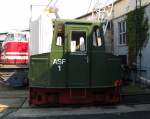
column 122, row 33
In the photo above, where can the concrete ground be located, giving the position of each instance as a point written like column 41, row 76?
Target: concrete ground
column 130, row 115
column 14, row 105
column 60, row 112
column 11, row 99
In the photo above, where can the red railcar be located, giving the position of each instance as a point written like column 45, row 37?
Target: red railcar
column 14, row 59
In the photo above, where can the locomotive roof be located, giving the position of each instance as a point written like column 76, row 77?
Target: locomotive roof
column 65, row 21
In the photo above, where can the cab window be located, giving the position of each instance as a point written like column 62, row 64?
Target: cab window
column 60, row 36
column 59, row 40
column 78, row 41
column 97, row 40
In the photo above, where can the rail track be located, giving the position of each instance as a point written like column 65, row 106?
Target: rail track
column 17, row 98
column 7, row 93
column 11, row 100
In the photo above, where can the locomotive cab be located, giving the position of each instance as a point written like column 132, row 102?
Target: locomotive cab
column 71, row 57
column 14, row 49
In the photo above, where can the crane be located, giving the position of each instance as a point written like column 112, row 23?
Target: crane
column 102, row 11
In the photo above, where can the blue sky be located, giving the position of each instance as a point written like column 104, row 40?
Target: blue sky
column 15, row 14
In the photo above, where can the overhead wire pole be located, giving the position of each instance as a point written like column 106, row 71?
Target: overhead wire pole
column 52, row 8
column 109, row 14
column 49, row 3
column 89, row 6
column 57, row 9
column 140, row 38
column 55, row 3
column 136, row 43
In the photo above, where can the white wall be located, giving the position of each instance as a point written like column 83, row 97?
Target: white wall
column 121, row 8
column 118, row 49
column 125, row 6
column 41, row 34
column 145, row 2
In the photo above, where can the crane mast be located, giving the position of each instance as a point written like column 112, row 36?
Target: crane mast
column 102, row 11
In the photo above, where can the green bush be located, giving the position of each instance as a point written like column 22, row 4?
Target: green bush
column 137, row 32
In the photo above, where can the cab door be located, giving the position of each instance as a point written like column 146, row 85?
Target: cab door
column 77, row 58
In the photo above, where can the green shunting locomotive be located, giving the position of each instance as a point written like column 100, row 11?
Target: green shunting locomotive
column 74, row 69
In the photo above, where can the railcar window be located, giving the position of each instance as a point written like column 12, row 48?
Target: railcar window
column 97, row 41
column 78, row 41
column 10, row 37
column 20, row 37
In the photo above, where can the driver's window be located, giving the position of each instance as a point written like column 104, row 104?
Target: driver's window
column 78, row 41
column 10, row 37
